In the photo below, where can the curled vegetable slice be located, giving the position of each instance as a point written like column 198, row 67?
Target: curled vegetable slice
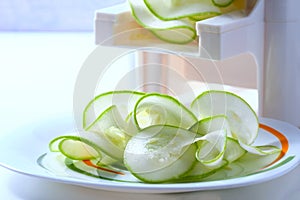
column 169, row 143
column 260, row 150
column 171, row 10
column 173, row 21
column 109, row 132
column 242, row 119
column 175, row 31
column 75, row 147
column 124, row 100
column 155, row 108
column 211, row 148
column 160, row 153
column 222, row 3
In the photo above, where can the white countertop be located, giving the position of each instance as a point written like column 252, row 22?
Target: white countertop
column 37, row 76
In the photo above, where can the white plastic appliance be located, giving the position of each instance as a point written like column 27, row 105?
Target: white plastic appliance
column 269, row 30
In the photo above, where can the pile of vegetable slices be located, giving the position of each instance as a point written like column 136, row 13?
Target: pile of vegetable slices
column 155, row 138
column 173, row 21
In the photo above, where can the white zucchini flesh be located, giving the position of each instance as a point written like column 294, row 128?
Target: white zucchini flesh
column 154, row 109
column 211, row 124
column 241, row 117
column 211, row 148
column 160, row 153
column 123, row 99
column 222, row 3
column 175, row 31
column 170, row 10
column 76, row 147
column 169, row 143
column 109, row 132
column 233, row 149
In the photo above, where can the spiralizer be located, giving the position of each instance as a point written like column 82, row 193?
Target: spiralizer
column 267, row 30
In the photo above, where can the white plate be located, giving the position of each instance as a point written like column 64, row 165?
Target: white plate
column 20, row 149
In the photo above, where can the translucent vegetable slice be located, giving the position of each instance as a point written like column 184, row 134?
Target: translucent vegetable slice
column 75, row 147
column 207, row 125
column 233, row 150
column 250, row 163
column 170, row 9
column 260, row 150
column 160, row 153
column 77, row 150
column 211, row 124
column 211, row 149
column 90, row 139
column 241, row 117
column 203, row 16
column 154, row 108
column 124, row 100
column 109, row 132
column 171, row 144
column 175, row 31
column 200, row 171
column 222, row 3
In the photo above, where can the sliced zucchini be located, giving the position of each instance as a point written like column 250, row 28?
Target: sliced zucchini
column 211, row 124
column 109, row 132
column 78, row 150
column 159, row 140
column 200, row 171
column 204, row 16
column 124, row 100
column 171, row 10
column 211, row 149
column 75, row 147
column 222, row 3
column 241, row 117
column 233, row 150
column 154, row 108
column 261, row 150
column 160, row 153
column 175, row 31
